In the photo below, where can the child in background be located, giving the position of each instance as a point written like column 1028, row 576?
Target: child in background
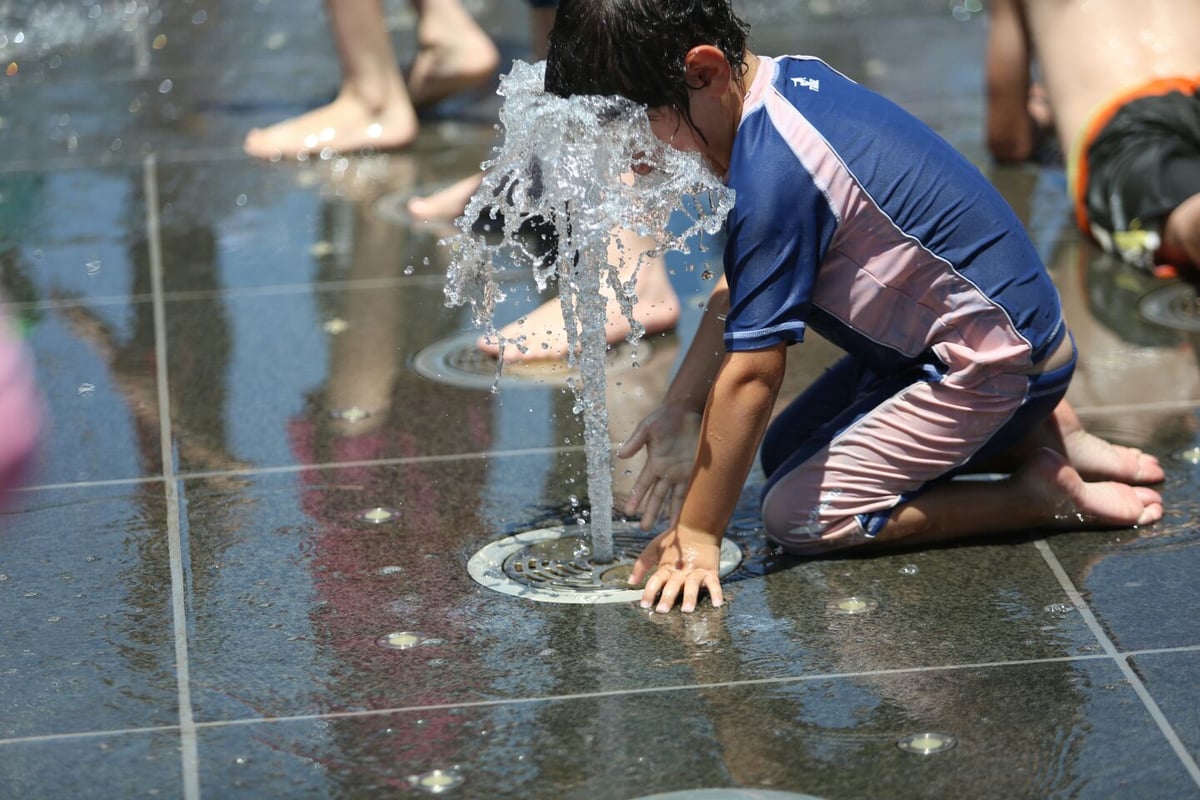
column 856, row 219
column 1122, row 87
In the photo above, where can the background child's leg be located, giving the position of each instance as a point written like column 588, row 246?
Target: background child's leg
column 372, row 109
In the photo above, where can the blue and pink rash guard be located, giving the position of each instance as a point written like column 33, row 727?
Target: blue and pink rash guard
column 856, row 219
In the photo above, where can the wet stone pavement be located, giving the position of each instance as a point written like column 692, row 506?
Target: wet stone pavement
column 247, row 482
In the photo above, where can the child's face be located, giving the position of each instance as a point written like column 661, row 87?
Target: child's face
column 669, row 127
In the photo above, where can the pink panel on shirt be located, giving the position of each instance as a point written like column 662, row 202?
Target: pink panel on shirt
column 881, row 281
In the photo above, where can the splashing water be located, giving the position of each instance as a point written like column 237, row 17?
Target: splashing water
column 570, row 163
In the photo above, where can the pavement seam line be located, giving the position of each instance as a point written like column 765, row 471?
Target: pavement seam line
column 187, row 729
column 1121, row 660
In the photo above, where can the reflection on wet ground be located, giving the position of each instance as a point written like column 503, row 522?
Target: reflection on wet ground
column 241, row 569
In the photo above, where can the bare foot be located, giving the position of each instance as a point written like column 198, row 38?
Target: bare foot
column 542, row 334
column 447, row 204
column 452, row 56
column 1071, row 502
column 1097, row 459
column 347, row 125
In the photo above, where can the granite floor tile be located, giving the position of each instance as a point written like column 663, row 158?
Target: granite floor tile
column 1076, row 730
column 87, row 641
column 94, row 767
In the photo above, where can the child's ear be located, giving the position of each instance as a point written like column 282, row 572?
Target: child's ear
column 707, row 68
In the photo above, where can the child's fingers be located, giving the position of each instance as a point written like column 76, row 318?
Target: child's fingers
column 637, row 495
column 655, row 586
column 650, row 517
column 676, row 506
column 712, row 582
column 670, row 589
column 652, row 504
column 691, row 591
column 697, row 579
column 640, row 567
column 636, row 441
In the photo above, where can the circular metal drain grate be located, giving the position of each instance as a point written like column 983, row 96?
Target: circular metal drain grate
column 552, row 565
column 1175, row 305
column 458, row 362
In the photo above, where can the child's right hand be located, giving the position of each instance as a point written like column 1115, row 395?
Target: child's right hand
column 670, row 436
column 680, row 563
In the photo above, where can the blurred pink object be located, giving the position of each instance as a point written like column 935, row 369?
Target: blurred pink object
column 21, row 409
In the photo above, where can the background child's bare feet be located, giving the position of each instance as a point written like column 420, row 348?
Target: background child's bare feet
column 445, row 205
column 1061, row 493
column 347, row 125
column 545, row 332
column 1097, row 459
column 454, row 54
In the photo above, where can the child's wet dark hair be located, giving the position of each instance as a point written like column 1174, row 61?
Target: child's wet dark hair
column 636, row 48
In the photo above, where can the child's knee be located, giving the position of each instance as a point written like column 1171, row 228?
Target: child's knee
column 812, row 535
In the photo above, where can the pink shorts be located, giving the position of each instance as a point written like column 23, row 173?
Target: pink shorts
column 856, row 445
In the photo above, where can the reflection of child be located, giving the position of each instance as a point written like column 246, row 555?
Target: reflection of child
column 20, row 408
column 855, row 219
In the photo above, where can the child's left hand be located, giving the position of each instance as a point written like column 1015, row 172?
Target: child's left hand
column 682, row 562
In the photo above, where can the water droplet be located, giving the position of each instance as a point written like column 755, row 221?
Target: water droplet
column 378, row 515
column 166, row 86
column 335, row 326
column 400, row 640
column 199, row 17
column 241, row 200
column 159, row 42
column 852, row 605
column 927, row 743
column 1190, row 455
column 436, row 781
column 12, row 69
column 351, row 414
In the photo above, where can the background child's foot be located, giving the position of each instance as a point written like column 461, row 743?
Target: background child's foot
column 545, row 332
column 347, row 125
column 1062, row 493
column 445, row 205
column 447, row 63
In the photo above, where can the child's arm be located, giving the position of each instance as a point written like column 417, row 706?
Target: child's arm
column 687, row 556
column 669, row 434
column 690, row 387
